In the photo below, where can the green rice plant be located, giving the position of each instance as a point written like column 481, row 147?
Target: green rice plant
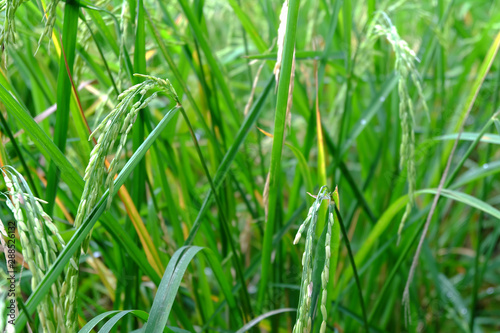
column 36, row 232
column 406, row 70
column 117, row 124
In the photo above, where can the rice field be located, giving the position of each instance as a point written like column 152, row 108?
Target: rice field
column 250, row 166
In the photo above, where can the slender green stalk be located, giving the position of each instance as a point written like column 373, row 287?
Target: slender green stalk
column 279, row 130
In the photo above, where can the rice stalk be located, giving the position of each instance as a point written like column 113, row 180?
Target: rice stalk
column 36, row 231
column 115, row 126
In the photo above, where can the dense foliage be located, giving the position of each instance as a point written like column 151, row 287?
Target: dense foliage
column 264, row 166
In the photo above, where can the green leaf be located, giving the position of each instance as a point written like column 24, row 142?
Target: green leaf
column 167, row 290
column 468, row 136
column 248, row 26
column 114, row 320
column 96, row 320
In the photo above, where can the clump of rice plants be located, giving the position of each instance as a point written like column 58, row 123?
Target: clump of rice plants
column 7, row 35
column 339, row 88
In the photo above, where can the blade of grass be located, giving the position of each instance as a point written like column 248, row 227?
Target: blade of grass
column 171, row 280
column 139, row 180
column 178, row 76
column 321, row 153
column 98, row 45
column 114, row 320
column 349, row 177
column 41, row 140
column 384, row 222
column 248, row 26
column 96, row 320
column 478, row 276
column 224, row 221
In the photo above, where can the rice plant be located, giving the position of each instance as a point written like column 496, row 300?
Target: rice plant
column 118, row 123
column 405, row 67
column 135, row 203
